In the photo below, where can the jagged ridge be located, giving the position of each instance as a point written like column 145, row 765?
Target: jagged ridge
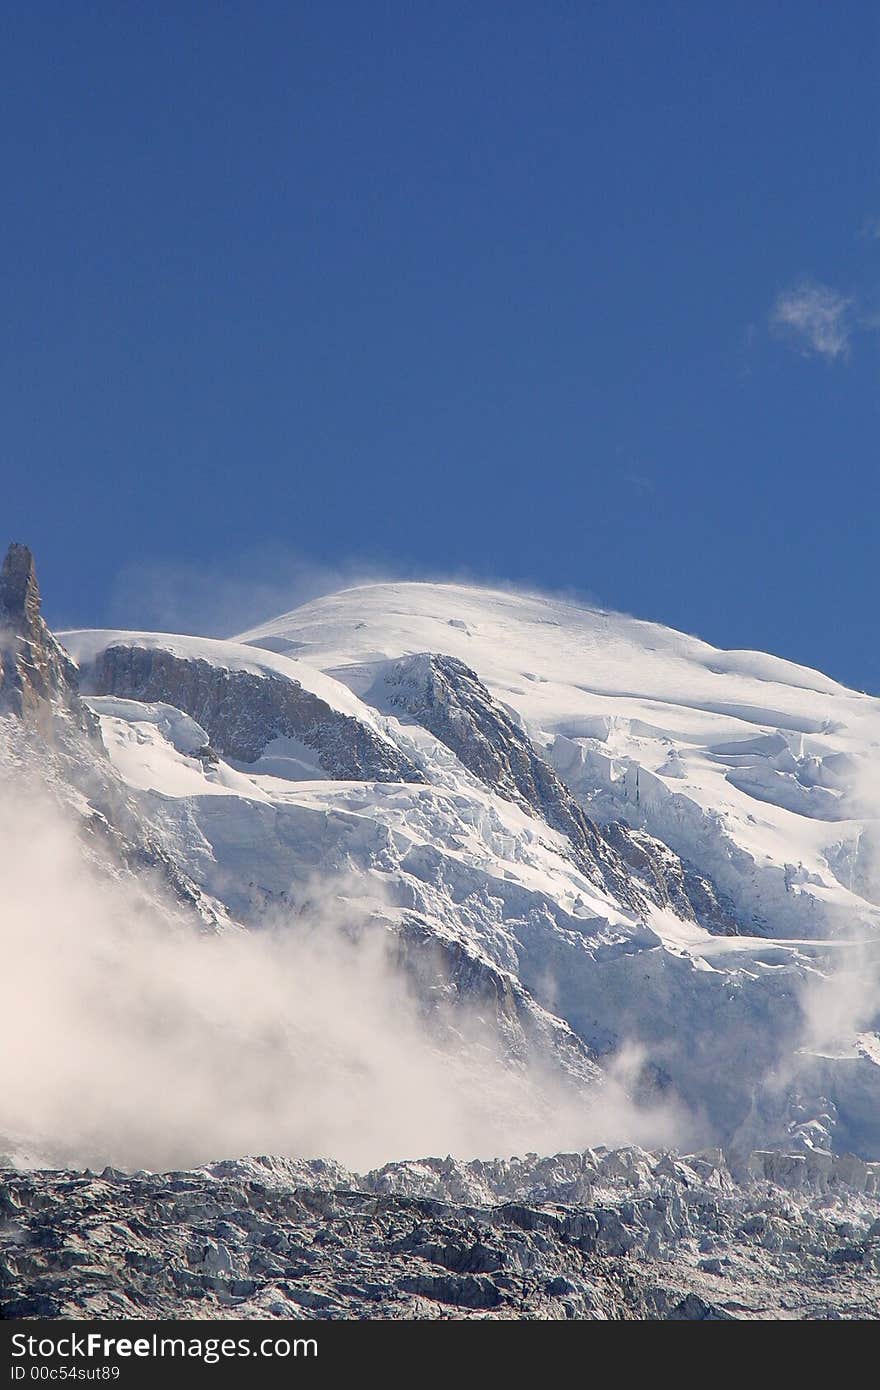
column 446, row 697
column 242, row 712
column 38, row 681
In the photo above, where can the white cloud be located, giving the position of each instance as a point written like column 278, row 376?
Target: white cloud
column 816, row 317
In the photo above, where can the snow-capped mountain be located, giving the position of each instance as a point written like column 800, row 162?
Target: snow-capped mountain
column 648, row 865
column 764, row 770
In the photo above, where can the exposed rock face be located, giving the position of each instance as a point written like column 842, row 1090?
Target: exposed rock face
column 54, row 731
column 19, row 591
column 446, row 975
column 596, row 1235
column 668, row 882
column 450, row 700
column 38, row 681
column 243, row 712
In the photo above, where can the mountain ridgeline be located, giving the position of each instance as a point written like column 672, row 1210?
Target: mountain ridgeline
column 431, row 865
column 592, row 843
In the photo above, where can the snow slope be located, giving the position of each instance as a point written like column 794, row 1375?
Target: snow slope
column 763, row 772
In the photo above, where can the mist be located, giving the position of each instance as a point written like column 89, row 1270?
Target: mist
column 845, row 1001
column 260, row 582
column 208, row 600
column 130, row 1038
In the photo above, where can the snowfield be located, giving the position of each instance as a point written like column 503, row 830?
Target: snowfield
column 765, row 772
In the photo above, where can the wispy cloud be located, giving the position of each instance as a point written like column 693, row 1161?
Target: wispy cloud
column 870, row 229
column 816, row 317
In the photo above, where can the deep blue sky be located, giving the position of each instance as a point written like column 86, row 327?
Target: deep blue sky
column 582, row 295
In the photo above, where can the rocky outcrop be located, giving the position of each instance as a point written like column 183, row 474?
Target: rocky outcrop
column 38, row 681
column 57, row 737
column 593, row 1235
column 242, row 711
column 668, row 882
column 452, row 981
column 449, row 700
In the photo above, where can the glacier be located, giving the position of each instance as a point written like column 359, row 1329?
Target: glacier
column 630, row 883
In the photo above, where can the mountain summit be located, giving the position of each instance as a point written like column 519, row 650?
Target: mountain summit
column 629, row 856
column 428, row 867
